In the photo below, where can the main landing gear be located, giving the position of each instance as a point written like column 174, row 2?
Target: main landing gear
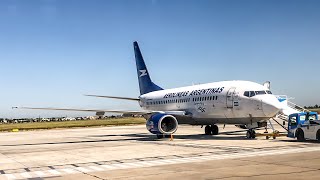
column 251, row 134
column 211, row 130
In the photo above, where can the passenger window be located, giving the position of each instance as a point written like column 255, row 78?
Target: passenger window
column 269, row 92
column 246, row 93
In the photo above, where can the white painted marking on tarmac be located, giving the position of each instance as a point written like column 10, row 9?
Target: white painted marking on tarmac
column 82, row 169
column 139, row 164
column 120, row 165
column 134, row 165
column 155, row 163
column 107, row 166
column 97, row 168
column 168, row 161
column 145, row 163
column 69, row 171
column 25, row 175
column 10, row 176
column 182, row 160
column 39, row 173
column 54, row 172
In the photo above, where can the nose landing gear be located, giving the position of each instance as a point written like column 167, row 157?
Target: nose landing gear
column 211, row 130
column 251, row 134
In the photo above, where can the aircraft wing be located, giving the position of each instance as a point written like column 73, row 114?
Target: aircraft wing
column 99, row 111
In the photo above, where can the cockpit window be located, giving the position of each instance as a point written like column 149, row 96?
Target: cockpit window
column 252, row 93
column 260, row 92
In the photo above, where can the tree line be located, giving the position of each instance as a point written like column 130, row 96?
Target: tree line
column 312, row 107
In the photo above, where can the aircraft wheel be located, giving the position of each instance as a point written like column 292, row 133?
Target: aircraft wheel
column 207, row 130
column 248, row 135
column 251, row 134
column 215, row 130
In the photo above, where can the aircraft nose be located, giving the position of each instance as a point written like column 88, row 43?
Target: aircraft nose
column 271, row 106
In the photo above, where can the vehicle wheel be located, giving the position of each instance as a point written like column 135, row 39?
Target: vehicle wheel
column 300, row 135
column 215, row 130
column 318, row 135
column 207, row 130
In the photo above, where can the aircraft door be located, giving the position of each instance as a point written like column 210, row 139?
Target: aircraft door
column 231, row 97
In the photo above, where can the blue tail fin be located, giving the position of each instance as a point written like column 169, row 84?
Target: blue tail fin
column 145, row 83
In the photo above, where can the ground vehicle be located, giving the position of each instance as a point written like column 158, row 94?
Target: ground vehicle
column 304, row 125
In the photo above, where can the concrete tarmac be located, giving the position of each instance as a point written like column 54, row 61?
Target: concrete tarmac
column 130, row 152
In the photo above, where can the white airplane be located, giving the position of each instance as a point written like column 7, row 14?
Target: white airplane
column 226, row 102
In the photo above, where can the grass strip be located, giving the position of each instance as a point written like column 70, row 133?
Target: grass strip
column 315, row 110
column 71, row 124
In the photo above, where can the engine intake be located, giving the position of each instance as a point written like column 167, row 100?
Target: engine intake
column 162, row 124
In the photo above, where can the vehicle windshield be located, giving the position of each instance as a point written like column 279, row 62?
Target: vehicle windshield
column 293, row 121
column 312, row 117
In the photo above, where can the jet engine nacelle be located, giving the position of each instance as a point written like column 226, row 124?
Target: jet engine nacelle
column 162, row 124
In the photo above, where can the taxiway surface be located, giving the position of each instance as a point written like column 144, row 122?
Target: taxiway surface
column 130, row 152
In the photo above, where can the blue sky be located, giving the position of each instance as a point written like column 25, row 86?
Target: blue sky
column 53, row 51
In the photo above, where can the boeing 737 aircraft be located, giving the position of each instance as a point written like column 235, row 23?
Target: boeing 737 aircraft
column 227, row 102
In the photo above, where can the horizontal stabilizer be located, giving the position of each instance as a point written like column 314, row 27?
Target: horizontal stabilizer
column 114, row 97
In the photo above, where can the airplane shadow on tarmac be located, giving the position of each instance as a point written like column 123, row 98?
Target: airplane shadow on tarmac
column 303, row 142
column 134, row 137
column 151, row 137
